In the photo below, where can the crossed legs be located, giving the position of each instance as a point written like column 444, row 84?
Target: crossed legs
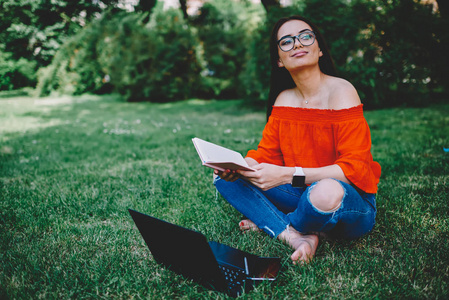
column 326, row 196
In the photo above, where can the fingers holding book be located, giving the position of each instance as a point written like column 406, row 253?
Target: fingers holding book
column 228, row 175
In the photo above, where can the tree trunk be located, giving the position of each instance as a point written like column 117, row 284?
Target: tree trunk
column 268, row 4
column 183, row 4
column 146, row 6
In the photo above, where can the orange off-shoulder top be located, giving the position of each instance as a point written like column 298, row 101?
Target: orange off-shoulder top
column 312, row 138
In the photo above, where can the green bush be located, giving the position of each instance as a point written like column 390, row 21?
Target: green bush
column 155, row 61
column 226, row 31
column 75, row 69
column 16, row 74
column 405, row 34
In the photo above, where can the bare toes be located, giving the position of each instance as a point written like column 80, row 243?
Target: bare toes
column 246, row 225
column 303, row 254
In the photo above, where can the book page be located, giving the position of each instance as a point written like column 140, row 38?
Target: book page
column 219, row 157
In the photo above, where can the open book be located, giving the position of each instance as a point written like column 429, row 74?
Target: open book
column 218, row 157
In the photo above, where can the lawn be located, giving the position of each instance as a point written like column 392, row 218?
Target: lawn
column 70, row 168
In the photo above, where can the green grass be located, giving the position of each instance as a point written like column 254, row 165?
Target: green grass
column 71, row 167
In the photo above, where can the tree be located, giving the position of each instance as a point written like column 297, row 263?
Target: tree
column 34, row 29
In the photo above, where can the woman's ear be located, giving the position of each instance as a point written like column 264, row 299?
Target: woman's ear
column 280, row 63
column 321, row 53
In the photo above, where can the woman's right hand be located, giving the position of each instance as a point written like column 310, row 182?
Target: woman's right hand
column 232, row 175
column 228, row 175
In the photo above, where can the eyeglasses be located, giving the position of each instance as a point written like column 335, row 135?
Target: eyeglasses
column 305, row 38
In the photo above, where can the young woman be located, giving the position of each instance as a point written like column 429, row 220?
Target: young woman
column 314, row 172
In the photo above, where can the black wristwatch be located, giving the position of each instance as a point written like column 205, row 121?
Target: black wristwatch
column 299, row 178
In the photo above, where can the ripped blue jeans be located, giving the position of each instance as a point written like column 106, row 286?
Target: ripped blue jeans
column 275, row 209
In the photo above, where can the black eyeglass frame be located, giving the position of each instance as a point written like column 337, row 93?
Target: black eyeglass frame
column 298, row 38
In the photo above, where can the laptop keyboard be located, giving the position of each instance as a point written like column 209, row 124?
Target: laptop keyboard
column 234, row 277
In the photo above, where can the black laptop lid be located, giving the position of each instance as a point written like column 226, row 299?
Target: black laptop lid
column 182, row 250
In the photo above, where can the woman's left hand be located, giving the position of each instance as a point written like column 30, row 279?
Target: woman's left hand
column 268, row 176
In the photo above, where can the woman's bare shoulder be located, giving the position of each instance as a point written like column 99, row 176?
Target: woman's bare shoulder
column 342, row 94
column 286, row 98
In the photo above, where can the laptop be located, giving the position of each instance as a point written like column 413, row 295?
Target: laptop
column 211, row 264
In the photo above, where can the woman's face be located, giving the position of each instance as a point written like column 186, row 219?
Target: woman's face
column 299, row 56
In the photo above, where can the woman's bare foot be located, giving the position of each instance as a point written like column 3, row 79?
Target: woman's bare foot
column 248, row 225
column 304, row 245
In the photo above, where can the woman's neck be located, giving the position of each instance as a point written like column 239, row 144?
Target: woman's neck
column 308, row 82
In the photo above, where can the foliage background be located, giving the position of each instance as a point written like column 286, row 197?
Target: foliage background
column 393, row 51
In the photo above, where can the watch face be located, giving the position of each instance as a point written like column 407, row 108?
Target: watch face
column 298, row 181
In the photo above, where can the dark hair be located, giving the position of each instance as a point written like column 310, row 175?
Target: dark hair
column 280, row 78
